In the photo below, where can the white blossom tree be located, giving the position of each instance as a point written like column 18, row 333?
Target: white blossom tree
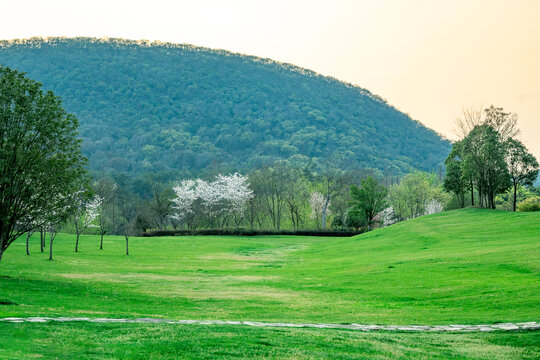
column 235, row 193
column 226, row 196
column 433, row 207
column 186, row 194
column 320, row 206
column 388, row 216
column 86, row 211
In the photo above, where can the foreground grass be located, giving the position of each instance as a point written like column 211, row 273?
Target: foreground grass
column 469, row 266
column 136, row 341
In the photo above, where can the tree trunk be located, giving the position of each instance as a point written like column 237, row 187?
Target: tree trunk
column 101, row 243
column 515, row 195
column 472, row 194
column 324, row 215
column 1, row 253
column 480, row 196
column 42, row 244
column 50, row 245
column 77, row 243
column 27, row 243
column 127, row 244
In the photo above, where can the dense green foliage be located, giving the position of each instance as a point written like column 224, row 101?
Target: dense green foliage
column 41, row 166
column 183, row 109
column 164, row 341
column 465, row 266
column 530, row 204
column 369, row 199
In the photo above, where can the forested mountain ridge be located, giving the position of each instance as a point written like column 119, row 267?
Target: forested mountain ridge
column 161, row 107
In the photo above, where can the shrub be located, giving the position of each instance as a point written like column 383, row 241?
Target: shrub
column 244, row 232
column 530, row 204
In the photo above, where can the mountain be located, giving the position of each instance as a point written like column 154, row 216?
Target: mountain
column 161, row 107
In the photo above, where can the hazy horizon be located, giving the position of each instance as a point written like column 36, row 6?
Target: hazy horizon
column 428, row 59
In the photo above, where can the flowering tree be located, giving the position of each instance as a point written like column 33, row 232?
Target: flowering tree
column 86, row 211
column 388, row 217
column 319, row 206
column 235, row 193
column 433, row 207
column 186, row 194
column 226, row 196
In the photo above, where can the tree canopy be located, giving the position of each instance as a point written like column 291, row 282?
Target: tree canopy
column 41, row 165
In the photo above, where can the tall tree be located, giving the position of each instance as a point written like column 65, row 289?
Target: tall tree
column 522, row 165
column 296, row 194
column 270, row 184
column 484, row 159
column 369, row 199
column 40, row 156
column 160, row 207
column 334, row 184
column 455, row 180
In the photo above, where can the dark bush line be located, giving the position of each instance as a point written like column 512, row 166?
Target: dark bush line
column 243, row 232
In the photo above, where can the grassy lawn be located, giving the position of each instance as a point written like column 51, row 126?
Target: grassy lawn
column 149, row 341
column 469, row 266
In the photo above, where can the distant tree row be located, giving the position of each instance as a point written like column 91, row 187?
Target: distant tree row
column 488, row 158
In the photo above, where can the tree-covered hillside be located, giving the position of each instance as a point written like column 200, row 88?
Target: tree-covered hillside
column 155, row 107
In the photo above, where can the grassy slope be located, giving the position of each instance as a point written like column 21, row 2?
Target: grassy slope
column 468, row 266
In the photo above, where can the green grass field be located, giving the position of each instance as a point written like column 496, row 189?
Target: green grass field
column 469, row 266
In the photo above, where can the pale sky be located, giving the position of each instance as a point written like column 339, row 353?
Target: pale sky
column 428, row 58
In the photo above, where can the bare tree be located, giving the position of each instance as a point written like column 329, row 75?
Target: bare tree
column 128, row 210
column 270, row 184
column 505, row 123
column 160, row 207
column 466, row 121
column 334, row 184
column 296, row 194
column 105, row 189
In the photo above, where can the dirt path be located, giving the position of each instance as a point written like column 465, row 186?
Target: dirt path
column 530, row 326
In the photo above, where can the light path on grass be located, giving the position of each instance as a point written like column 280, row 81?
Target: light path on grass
column 530, row 326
